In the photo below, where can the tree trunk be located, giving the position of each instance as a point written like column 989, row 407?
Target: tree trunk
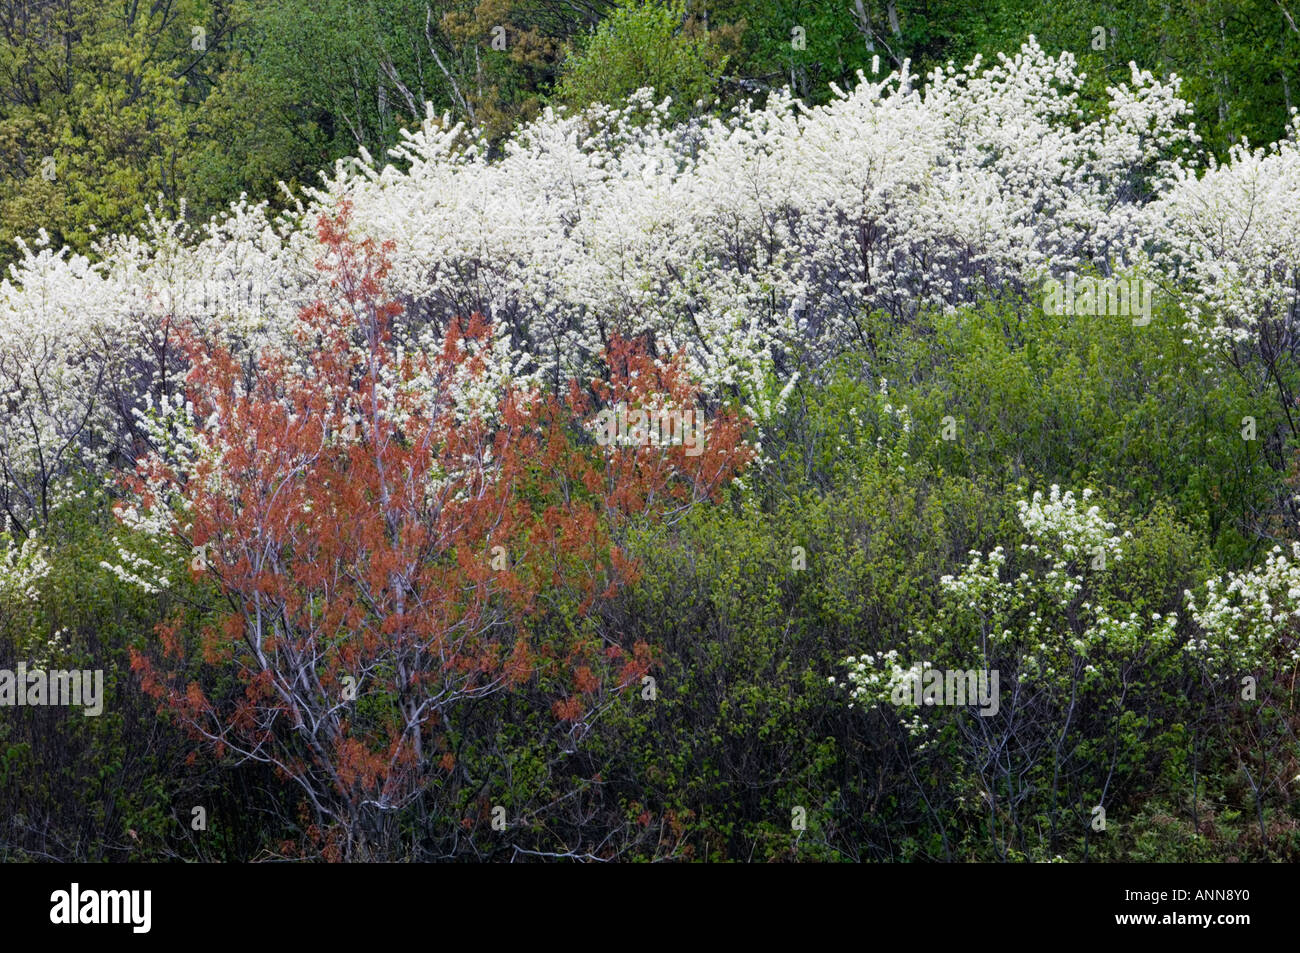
column 864, row 26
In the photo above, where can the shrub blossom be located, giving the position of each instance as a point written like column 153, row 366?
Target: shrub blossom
column 22, row 566
column 753, row 243
column 1046, row 623
column 1248, row 620
column 1228, row 241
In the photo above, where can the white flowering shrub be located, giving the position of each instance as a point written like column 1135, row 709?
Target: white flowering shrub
column 24, row 576
column 754, row 242
column 1228, row 241
column 83, row 345
column 1067, row 529
column 877, row 681
column 1079, row 644
column 1056, row 625
column 766, row 234
column 22, row 567
column 1248, row 621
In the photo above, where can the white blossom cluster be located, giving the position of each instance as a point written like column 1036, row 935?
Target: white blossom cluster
column 172, row 430
column 1247, row 621
column 1044, row 615
column 874, row 681
column 137, row 571
column 769, row 231
column 22, row 566
column 83, row 344
column 1051, row 617
column 1062, row 521
column 755, row 242
column 1228, row 241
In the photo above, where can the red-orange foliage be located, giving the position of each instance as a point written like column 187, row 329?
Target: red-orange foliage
column 349, row 513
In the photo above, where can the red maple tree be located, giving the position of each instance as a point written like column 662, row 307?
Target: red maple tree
column 384, row 555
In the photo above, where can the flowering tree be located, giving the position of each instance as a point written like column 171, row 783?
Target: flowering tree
column 1225, row 245
column 388, row 546
column 753, row 244
column 22, row 566
column 1054, row 621
column 1226, row 241
column 1247, row 621
column 1067, row 655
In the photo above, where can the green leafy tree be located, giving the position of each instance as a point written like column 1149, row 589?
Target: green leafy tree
column 645, row 44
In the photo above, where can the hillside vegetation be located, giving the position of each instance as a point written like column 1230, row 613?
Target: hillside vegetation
column 977, row 362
